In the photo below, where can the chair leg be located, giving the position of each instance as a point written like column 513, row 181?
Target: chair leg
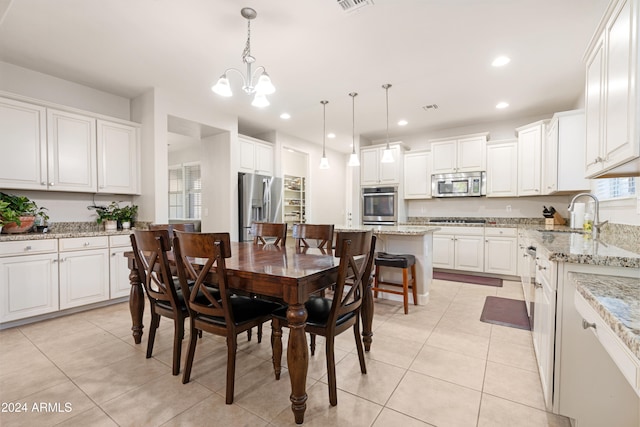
column 155, row 322
column 248, row 334
column 413, row 284
column 375, row 281
column 312, row 345
column 359, row 347
column 259, row 333
column 276, row 346
column 178, row 336
column 193, row 340
column 405, row 290
column 331, row 370
column 232, row 346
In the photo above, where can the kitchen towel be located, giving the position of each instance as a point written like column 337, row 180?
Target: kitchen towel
column 577, row 215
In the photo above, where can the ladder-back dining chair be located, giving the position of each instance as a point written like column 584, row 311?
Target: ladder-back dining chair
column 321, row 234
column 269, row 233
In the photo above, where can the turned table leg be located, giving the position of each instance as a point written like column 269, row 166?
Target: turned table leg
column 298, row 359
column 366, row 313
column 136, row 304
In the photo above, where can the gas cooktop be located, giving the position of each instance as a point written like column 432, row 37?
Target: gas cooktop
column 458, row 221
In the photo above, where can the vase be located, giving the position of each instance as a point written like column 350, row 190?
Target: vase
column 126, row 225
column 110, row 225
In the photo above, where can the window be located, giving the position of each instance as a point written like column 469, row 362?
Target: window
column 185, row 191
column 615, row 188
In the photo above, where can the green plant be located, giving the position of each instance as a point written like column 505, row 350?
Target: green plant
column 113, row 212
column 13, row 207
column 128, row 213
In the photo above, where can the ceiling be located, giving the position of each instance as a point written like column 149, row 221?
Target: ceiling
column 431, row 51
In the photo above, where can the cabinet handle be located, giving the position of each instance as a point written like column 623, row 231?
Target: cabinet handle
column 43, row 183
column 537, row 285
column 587, row 325
column 51, row 184
column 87, row 243
column 54, row 261
column 541, row 267
column 113, row 254
column 27, row 248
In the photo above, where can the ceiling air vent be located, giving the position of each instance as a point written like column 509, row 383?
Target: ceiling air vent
column 351, row 5
column 430, row 107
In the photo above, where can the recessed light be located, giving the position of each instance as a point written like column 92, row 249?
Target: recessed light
column 402, row 123
column 501, row 61
column 331, row 135
column 502, row 105
column 285, row 116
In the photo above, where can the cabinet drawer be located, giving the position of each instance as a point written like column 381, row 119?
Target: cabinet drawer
column 79, row 243
column 28, row 247
column 120, row 240
column 546, row 269
column 500, row 232
column 621, row 355
column 467, row 231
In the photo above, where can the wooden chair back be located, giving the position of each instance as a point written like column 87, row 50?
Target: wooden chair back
column 321, row 233
column 212, row 249
column 187, row 226
column 269, row 233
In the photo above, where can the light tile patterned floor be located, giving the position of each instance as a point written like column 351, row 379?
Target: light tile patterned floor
column 437, row 366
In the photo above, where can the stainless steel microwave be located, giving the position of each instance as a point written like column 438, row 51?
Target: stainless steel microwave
column 461, row 184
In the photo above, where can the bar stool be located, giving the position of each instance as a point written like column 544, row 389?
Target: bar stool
column 403, row 261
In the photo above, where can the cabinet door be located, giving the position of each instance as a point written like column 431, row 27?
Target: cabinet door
column 84, row 277
column 417, row 176
column 594, row 93
column 369, row 164
column 550, row 159
column 443, row 157
column 23, row 141
column 247, row 156
column 620, row 109
column 118, row 158
column 500, row 255
column 119, row 283
column 502, row 170
column 529, row 160
column 443, row 251
column 390, row 172
column 264, row 159
column 469, row 253
column 72, row 151
column 471, row 154
column 28, row 286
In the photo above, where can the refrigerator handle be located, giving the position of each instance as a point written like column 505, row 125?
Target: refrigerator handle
column 267, row 199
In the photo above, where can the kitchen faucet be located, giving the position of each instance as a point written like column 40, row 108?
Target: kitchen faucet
column 596, row 215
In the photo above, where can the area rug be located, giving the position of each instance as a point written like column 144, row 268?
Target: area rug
column 505, row 312
column 466, row 278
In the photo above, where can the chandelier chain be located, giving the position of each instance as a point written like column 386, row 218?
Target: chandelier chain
column 247, row 48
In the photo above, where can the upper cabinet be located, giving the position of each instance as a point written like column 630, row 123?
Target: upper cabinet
column 460, row 154
column 530, row 138
column 58, row 150
column 502, row 168
column 562, row 154
column 417, row 175
column 374, row 172
column 118, row 158
column 612, row 95
column 255, row 156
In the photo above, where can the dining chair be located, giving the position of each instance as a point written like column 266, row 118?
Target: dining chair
column 321, row 233
column 227, row 314
column 150, row 249
column 187, row 226
column 269, row 233
column 330, row 317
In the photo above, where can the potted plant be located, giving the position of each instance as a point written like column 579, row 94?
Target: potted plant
column 126, row 215
column 18, row 213
column 107, row 214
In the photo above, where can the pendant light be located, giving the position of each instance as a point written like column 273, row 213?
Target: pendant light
column 387, row 154
column 324, row 162
column 353, row 159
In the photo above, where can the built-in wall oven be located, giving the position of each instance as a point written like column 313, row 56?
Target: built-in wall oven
column 380, row 205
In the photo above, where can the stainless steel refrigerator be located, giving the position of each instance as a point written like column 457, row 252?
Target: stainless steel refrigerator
column 259, row 200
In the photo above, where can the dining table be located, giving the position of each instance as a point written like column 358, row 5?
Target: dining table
column 283, row 273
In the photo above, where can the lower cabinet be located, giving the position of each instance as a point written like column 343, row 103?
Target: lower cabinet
column 543, row 331
column 500, row 251
column 459, row 248
column 119, row 283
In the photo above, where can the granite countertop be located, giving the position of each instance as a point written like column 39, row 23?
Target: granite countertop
column 617, row 301
column 59, row 235
column 398, row 230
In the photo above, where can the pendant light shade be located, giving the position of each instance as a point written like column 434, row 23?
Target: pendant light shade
column 324, row 162
column 353, row 159
column 387, row 154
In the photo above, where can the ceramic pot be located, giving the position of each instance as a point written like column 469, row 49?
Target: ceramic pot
column 26, row 225
column 126, row 225
column 110, row 225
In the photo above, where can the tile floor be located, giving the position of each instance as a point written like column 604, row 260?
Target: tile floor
column 437, row 366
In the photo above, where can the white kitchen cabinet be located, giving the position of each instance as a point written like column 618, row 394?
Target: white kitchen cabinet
column 530, row 138
column 461, row 154
column 374, row 172
column 543, row 331
column 119, row 283
column 459, row 248
column 84, row 270
column 612, row 95
column 28, row 278
column 502, row 168
column 417, row 175
column 23, row 141
column 118, row 158
column 563, row 151
column 501, row 251
column 255, row 156
column 71, row 147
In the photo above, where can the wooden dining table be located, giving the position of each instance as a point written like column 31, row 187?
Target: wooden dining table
column 284, row 273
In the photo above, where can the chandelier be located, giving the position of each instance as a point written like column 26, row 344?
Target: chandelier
column 353, row 159
column 324, row 162
column 387, row 154
column 263, row 85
